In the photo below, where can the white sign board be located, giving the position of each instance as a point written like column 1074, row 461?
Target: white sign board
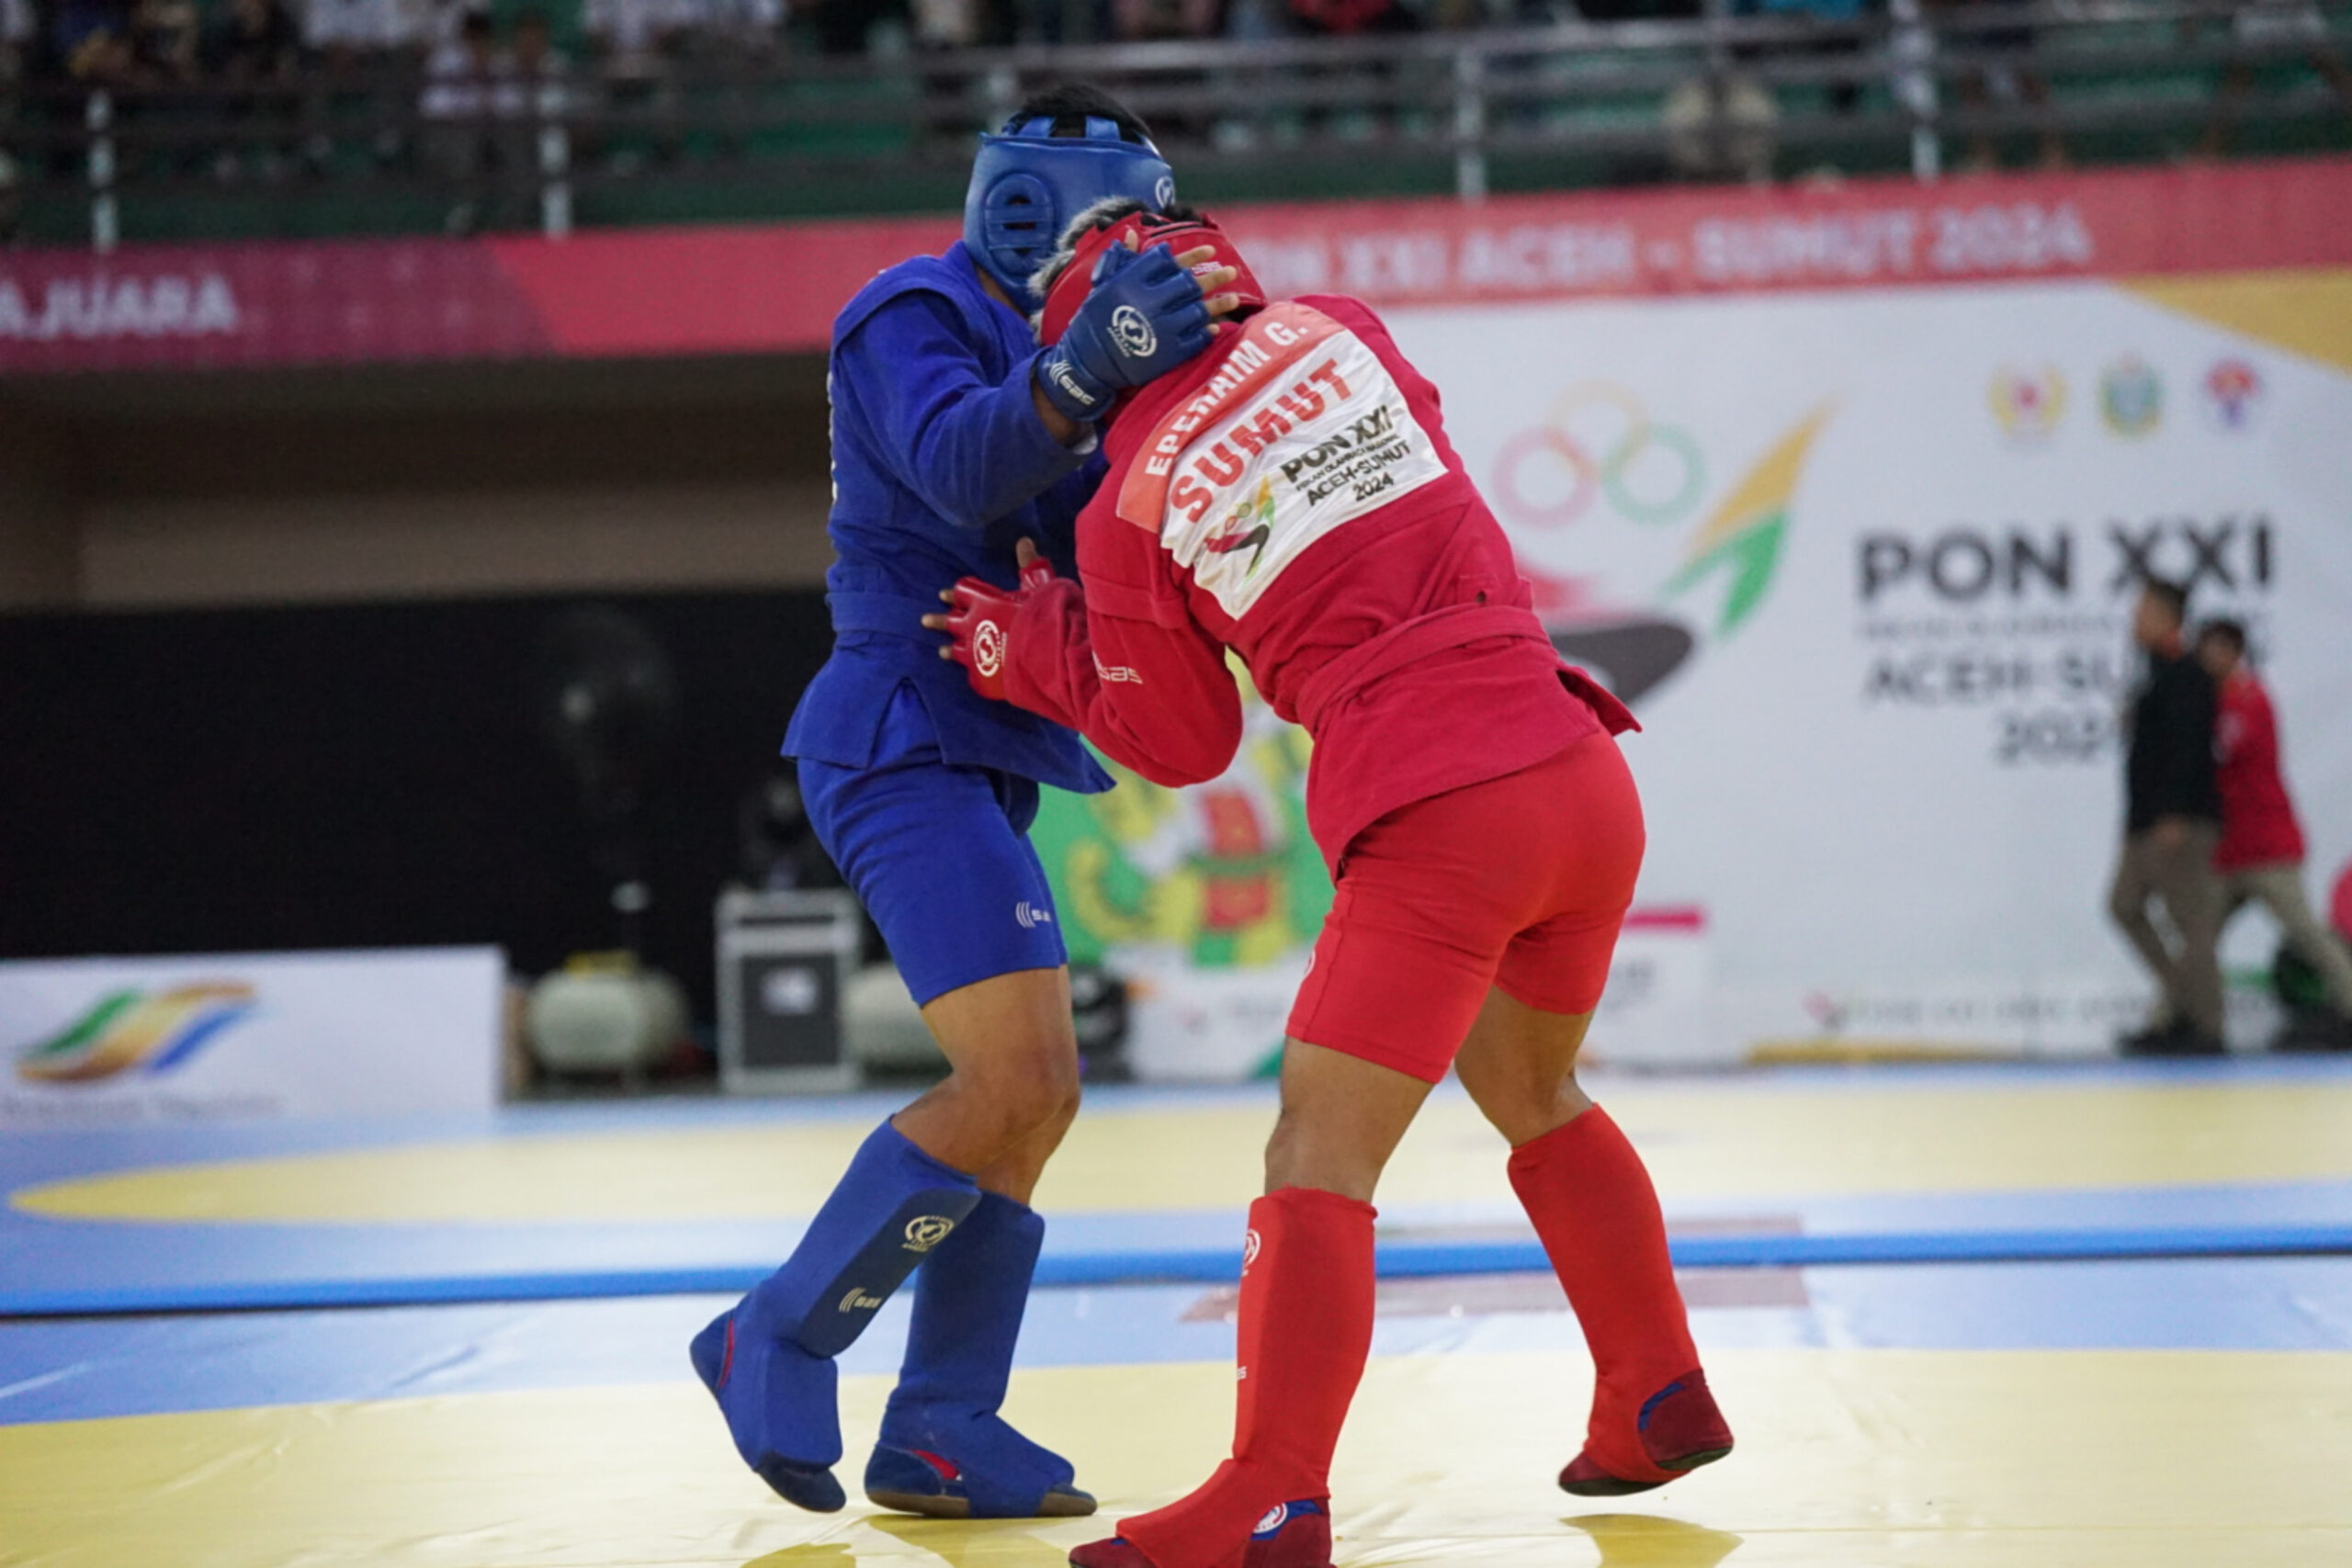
column 1659, row 1009
column 100, row 1040
column 1863, row 562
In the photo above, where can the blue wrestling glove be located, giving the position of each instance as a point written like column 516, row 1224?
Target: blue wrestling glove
column 1144, row 317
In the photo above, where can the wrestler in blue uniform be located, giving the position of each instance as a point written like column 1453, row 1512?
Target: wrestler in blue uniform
column 953, row 438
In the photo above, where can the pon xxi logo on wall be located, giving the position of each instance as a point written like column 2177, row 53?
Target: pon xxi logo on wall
column 1601, row 460
column 131, row 1029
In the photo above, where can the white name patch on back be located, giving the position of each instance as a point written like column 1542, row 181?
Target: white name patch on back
column 1320, row 438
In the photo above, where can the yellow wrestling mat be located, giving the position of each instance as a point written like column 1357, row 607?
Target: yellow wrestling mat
column 1877, row 1457
column 1700, row 1140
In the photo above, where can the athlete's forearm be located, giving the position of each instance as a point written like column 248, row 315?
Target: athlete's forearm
column 989, row 451
column 1158, row 700
column 974, row 451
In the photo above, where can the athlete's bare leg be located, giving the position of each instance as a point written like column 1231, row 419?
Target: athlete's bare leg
column 1342, row 1119
column 1520, row 1065
column 1012, row 1088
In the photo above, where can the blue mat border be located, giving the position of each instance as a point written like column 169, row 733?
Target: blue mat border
column 1397, row 1259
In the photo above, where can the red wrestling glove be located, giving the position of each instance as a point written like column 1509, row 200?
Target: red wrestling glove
column 979, row 626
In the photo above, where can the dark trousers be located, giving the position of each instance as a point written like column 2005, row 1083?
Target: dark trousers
column 2182, row 879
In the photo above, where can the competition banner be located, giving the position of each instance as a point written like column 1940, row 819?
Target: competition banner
column 775, row 288
column 107, row 1040
column 1864, row 564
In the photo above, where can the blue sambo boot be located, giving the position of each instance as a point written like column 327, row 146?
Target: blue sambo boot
column 945, row 1452
column 769, row 1360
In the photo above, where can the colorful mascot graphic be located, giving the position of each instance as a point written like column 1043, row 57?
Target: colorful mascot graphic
column 1222, row 874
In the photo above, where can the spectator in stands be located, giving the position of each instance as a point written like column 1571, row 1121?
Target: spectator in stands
column 2274, row 28
column 165, row 38
column 1352, row 18
column 2260, row 857
column 636, row 42
column 255, row 50
column 254, row 43
column 536, row 74
column 366, row 32
column 1148, row 21
column 2172, row 825
column 2012, row 76
column 366, row 49
column 1838, row 39
column 636, row 37
column 463, row 80
column 738, row 31
column 18, row 31
column 1137, row 21
column 533, row 90
column 946, row 24
column 842, row 27
column 91, row 40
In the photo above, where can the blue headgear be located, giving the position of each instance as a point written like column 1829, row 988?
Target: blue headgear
column 1027, row 184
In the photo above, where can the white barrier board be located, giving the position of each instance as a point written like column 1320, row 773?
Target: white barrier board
column 96, row 1041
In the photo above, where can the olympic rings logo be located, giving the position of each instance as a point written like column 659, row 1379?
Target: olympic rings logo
column 1648, row 472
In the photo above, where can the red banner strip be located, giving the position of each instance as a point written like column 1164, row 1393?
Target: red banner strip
column 775, row 289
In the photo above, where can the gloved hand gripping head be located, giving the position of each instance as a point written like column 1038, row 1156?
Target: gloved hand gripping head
column 1083, row 258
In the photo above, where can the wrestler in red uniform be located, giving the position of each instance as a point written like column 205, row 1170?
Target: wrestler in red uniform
column 1291, row 495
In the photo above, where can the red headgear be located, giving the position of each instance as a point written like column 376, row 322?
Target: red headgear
column 1145, row 229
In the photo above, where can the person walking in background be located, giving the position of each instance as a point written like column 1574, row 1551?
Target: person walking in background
column 2260, row 857
column 2172, row 824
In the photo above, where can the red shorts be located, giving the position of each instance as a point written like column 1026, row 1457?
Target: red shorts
column 1519, row 883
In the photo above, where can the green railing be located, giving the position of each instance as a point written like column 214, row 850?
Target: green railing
column 719, row 137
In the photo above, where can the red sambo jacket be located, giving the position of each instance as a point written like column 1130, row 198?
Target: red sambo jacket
column 2259, row 826
column 1290, row 495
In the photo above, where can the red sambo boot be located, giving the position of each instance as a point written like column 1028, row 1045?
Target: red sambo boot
column 1291, row 1535
column 1680, row 1429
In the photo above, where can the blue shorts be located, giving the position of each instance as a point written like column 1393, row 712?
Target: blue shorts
column 939, row 854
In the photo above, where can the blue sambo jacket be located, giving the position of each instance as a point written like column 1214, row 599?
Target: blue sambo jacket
column 941, row 464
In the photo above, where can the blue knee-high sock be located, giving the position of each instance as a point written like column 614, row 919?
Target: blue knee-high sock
column 769, row 1360
column 967, row 1311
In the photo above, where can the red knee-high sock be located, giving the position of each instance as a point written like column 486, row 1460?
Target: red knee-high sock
column 1598, row 1215
column 1306, row 1286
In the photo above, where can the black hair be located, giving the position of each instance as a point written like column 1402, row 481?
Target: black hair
column 2223, row 630
column 477, row 25
column 2172, row 596
column 1071, row 104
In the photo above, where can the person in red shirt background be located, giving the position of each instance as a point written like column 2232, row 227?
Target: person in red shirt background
column 1290, row 495
column 2260, row 857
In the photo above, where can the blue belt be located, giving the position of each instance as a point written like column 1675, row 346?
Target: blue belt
column 886, row 612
